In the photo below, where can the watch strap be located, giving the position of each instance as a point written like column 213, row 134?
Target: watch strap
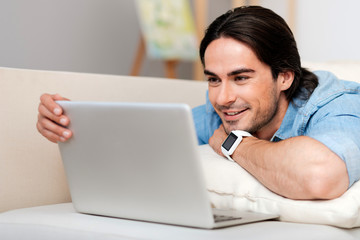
column 237, row 133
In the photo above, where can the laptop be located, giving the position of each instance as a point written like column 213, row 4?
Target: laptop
column 140, row 161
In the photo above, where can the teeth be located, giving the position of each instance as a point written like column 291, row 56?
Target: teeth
column 232, row 113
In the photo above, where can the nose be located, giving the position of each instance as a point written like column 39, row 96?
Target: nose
column 227, row 94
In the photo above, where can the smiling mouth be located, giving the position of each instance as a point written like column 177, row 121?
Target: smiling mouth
column 234, row 113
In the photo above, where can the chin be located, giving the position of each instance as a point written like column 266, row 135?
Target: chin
column 232, row 127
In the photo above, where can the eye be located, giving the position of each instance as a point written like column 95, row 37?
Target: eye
column 241, row 78
column 213, row 81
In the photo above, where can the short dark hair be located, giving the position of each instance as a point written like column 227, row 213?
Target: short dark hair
column 271, row 39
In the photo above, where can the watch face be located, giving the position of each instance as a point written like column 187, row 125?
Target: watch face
column 229, row 141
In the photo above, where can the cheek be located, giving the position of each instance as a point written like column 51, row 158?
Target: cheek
column 269, row 99
column 213, row 94
column 252, row 94
column 258, row 98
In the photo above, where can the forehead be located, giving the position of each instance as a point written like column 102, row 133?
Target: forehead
column 226, row 54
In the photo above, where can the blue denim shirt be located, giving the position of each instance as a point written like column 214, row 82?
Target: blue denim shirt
column 331, row 115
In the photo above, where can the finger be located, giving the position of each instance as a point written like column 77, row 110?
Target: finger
column 215, row 144
column 52, row 131
column 46, row 113
column 53, row 127
column 49, row 135
column 49, row 102
column 223, row 130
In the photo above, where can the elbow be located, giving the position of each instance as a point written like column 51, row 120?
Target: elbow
column 327, row 183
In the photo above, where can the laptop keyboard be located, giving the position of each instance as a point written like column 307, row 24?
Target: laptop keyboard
column 222, row 218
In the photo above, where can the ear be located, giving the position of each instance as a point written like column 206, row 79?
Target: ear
column 285, row 79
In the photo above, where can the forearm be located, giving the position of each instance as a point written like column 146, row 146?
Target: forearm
column 297, row 168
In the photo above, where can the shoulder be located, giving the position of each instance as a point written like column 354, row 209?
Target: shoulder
column 330, row 88
column 332, row 97
column 206, row 121
column 329, row 83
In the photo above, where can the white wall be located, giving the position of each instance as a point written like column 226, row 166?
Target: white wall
column 101, row 36
column 73, row 35
column 328, row 29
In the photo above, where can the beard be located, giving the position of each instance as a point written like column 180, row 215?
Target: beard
column 257, row 120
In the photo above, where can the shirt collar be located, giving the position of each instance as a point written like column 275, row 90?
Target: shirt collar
column 288, row 121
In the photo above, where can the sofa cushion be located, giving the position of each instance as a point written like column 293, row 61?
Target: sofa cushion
column 232, row 187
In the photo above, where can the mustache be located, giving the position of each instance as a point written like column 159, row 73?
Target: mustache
column 232, row 106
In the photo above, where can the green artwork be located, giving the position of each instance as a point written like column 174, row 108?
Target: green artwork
column 168, row 29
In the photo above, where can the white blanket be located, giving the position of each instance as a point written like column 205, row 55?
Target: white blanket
column 230, row 186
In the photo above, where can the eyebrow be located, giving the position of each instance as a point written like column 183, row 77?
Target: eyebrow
column 235, row 72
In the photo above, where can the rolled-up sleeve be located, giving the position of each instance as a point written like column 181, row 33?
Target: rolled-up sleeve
column 337, row 126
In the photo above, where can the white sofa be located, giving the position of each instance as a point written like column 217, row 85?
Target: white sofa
column 34, row 198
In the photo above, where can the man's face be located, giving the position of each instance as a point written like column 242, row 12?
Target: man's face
column 241, row 88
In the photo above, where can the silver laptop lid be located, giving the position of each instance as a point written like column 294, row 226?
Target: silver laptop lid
column 136, row 161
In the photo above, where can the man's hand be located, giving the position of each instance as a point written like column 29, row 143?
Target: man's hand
column 51, row 120
column 217, row 139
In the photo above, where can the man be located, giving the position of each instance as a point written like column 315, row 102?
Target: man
column 304, row 127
